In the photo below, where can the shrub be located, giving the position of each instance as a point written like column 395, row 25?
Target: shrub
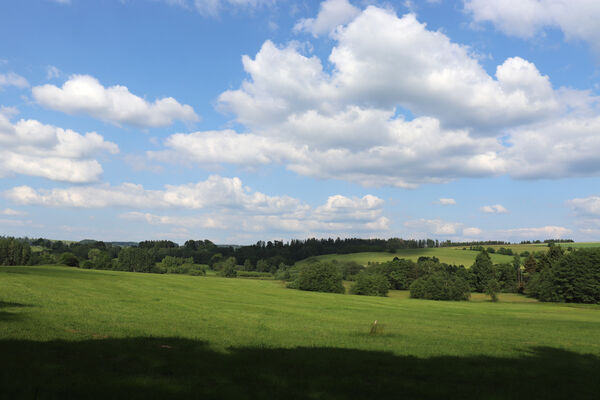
column 319, row 277
column 370, row 285
column 440, row 285
column 68, row 259
column 227, row 268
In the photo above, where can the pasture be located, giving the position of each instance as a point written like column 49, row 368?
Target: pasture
column 86, row 333
column 449, row 255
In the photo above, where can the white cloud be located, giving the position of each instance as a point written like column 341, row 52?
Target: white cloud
column 332, row 13
column 12, row 79
column 585, row 206
column 9, row 112
column 423, row 227
column 216, row 191
column 346, row 124
column 446, row 201
column 544, row 232
column 11, row 212
column 577, row 19
column 224, row 203
column 32, row 148
column 471, row 232
column 83, row 94
column 494, row 209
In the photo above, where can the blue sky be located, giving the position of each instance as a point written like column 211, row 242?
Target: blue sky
column 240, row 120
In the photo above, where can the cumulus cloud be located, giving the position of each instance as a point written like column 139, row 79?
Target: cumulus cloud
column 577, row 19
column 12, row 79
column 585, row 206
column 223, row 203
column 446, row 201
column 471, row 232
column 494, row 209
column 216, row 191
column 346, row 124
column 332, row 13
column 32, row 148
column 84, row 94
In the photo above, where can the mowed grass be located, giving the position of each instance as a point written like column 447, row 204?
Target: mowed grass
column 82, row 333
column 449, row 255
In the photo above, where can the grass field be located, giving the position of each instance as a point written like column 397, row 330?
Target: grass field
column 450, row 255
column 82, row 333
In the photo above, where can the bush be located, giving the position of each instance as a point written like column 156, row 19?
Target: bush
column 440, row 285
column 319, row 277
column 227, row 268
column 68, row 259
column 370, row 285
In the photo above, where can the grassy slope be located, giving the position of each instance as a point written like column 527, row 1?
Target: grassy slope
column 450, row 255
column 98, row 325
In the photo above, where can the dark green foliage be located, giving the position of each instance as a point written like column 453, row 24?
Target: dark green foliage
column 100, row 259
column 227, row 268
column 440, row 285
column 135, row 259
column 14, row 252
column 482, row 270
column 492, row 288
column 574, row 278
column 370, row 285
column 319, row 277
column 400, row 273
column 350, row 269
column 506, row 277
column 68, row 259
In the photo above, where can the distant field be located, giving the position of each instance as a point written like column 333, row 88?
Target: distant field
column 450, row 255
column 101, row 334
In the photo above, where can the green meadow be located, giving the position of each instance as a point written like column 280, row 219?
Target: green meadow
column 449, row 255
column 66, row 332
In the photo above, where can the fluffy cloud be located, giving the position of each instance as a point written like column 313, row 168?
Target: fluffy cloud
column 348, row 124
column 494, row 209
column 446, row 202
column 586, row 206
column 32, row 148
column 546, row 232
column 471, row 232
column 224, row 204
column 332, row 14
column 578, row 19
column 12, row 79
column 216, row 191
column 83, row 94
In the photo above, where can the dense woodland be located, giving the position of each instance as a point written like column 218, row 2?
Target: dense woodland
column 553, row 275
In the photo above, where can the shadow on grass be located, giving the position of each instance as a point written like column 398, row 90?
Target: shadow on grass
column 7, row 315
column 178, row 368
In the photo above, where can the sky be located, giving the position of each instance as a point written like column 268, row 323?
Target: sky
column 246, row 120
